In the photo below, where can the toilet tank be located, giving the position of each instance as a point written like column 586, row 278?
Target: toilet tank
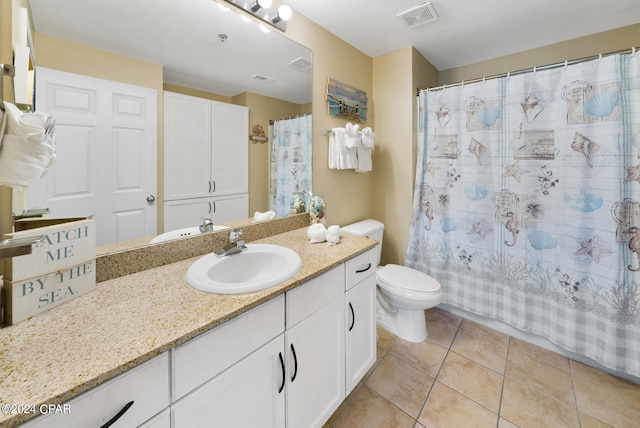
column 368, row 228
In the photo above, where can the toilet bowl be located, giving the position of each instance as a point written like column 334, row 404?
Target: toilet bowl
column 403, row 293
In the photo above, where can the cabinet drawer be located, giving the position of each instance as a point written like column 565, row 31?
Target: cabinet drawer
column 360, row 267
column 311, row 296
column 204, row 357
column 147, row 386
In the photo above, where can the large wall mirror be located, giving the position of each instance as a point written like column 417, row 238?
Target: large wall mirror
column 201, row 47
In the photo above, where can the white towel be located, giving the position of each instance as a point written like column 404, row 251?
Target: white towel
column 365, row 150
column 268, row 215
column 340, row 156
column 27, row 148
column 333, row 235
column 368, row 137
column 353, row 136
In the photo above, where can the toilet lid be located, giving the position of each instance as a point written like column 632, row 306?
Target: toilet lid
column 403, row 277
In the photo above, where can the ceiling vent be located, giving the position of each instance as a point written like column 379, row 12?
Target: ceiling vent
column 262, row 78
column 418, row 15
column 300, row 64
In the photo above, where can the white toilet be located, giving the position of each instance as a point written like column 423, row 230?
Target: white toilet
column 403, row 293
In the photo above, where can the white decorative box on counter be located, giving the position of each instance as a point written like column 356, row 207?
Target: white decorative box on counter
column 60, row 268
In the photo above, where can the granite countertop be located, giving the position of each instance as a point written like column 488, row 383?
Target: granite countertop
column 59, row 354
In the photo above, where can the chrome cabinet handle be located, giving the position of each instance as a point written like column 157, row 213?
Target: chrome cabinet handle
column 209, row 186
column 284, row 375
column 214, row 186
column 214, row 206
column 209, row 207
column 365, row 269
column 353, row 317
column 295, row 363
column 118, row 415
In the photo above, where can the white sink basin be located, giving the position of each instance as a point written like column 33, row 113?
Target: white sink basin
column 181, row 233
column 260, row 266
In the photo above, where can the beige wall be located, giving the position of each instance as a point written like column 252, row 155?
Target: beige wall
column 608, row 41
column 348, row 194
column 396, row 77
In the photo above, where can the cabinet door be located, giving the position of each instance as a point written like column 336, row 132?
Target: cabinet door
column 230, row 149
column 315, row 366
column 230, row 208
column 249, row 394
column 186, row 213
column 187, row 147
column 360, row 330
column 136, row 395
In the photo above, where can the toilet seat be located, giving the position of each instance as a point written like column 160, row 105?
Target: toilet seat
column 405, row 279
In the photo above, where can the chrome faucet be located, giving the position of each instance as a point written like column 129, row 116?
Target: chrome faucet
column 206, row 226
column 235, row 244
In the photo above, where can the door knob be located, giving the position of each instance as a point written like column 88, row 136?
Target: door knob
column 151, row 199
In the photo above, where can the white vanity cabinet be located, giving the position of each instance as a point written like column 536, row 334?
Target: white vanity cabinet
column 205, row 161
column 234, row 374
column 146, row 387
column 289, row 362
column 315, row 346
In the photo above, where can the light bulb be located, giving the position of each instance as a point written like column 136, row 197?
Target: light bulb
column 285, row 12
column 260, row 4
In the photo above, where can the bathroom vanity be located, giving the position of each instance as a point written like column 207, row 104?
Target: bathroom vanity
column 284, row 356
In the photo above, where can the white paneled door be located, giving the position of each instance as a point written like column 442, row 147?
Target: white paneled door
column 106, row 145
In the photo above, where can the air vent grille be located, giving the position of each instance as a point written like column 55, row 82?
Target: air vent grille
column 262, row 78
column 419, row 15
column 300, row 64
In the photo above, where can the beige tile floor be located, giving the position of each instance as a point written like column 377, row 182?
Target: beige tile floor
column 466, row 375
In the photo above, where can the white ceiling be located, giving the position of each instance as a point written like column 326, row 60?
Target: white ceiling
column 183, row 35
column 467, row 31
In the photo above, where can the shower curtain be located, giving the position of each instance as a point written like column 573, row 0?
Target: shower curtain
column 290, row 165
column 527, row 203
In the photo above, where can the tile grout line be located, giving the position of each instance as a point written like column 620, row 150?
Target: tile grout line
column 435, row 378
column 504, row 381
column 575, row 393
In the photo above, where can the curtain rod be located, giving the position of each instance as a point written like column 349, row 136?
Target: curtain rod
column 631, row 51
column 271, row 121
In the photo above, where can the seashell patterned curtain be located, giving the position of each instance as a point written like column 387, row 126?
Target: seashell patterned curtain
column 290, row 163
column 527, row 203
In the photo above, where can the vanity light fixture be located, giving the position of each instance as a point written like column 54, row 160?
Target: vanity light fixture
column 284, row 14
column 260, row 4
column 259, row 10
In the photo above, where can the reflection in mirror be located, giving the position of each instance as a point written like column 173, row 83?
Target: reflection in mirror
column 203, row 51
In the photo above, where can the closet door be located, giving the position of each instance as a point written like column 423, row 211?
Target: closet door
column 106, row 154
column 230, row 149
column 187, row 147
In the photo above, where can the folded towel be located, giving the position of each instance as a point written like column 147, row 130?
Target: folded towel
column 23, row 163
column 368, row 137
column 364, row 159
column 317, row 233
column 340, row 156
column 27, row 148
column 353, row 136
column 333, row 235
column 258, row 216
column 365, row 150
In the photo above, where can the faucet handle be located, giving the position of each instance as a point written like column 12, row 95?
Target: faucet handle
column 234, row 235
